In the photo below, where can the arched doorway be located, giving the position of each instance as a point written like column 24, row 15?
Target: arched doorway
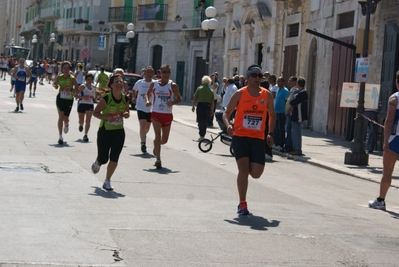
column 157, row 57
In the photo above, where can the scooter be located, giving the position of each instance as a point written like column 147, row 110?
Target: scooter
column 205, row 145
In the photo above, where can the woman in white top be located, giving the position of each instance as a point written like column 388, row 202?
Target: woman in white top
column 86, row 95
column 79, row 74
column 214, row 87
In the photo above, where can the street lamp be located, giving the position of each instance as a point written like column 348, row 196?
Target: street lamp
column 52, row 40
column 12, row 41
column 209, row 26
column 357, row 155
column 130, row 36
column 22, row 41
column 34, row 41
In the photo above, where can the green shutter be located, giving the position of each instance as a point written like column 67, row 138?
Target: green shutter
column 80, row 12
column 88, row 13
column 160, row 13
column 48, row 27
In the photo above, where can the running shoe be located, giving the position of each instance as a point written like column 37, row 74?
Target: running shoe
column 143, row 148
column 22, row 106
column 375, row 204
column 60, row 140
column 66, row 128
column 95, row 168
column 16, row 109
column 30, row 94
column 107, row 185
column 158, row 164
column 242, row 208
column 34, row 95
column 11, row 90
column 85, row 138
column 80, row 128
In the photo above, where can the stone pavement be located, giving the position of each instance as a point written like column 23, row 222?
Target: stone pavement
column 321, row 150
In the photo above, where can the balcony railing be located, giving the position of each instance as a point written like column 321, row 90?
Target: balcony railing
column 48, row 13
column 92, row 26
column 121, row 14
column 152, row 12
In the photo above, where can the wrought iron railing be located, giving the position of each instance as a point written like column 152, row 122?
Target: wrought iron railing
column 152, row 12
column 121, row 14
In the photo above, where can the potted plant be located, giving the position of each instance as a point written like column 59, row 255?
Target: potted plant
column 88, row 27
column 101, row 22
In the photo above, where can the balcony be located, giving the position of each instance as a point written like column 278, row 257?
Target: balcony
column 28, row 28
column 154, row 14
column 66, row 26
column 91, row 28
column 50, row 14
column 121, row 15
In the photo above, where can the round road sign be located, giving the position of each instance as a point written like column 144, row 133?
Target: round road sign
column 85, row 53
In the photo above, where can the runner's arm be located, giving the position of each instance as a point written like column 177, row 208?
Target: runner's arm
column 148, row 95
column 392, row 104
column 235, row 98
column 176, row 92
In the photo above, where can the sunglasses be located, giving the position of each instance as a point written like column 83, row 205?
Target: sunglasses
column 254, row 75
column 166, row 71
column 117, row 81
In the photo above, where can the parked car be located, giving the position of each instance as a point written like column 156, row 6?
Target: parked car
column 131, row 79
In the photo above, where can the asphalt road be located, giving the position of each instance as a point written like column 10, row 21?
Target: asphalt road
column 54, row 213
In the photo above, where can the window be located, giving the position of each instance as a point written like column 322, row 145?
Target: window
column 88, row 13
column 346, row 20
column 293, row 30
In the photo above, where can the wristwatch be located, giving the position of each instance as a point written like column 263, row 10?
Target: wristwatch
column 270, row 134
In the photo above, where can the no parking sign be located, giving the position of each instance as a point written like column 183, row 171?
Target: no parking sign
column 85, row 53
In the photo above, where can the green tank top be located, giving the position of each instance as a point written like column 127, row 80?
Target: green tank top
column 65, row 87
column 115, row 110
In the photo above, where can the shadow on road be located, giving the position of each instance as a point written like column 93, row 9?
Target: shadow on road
column 163, row 170
column 59, row 146
column 105, row 194
column 394, row 215
column 143, row 155
column 254, row 222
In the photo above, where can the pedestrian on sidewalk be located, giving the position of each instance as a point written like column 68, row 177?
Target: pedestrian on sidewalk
column 370, row 128
column 391, row 148
column 280, row 100
column 111, row 110
column 253, row 104
column 299, row 114
column 164, row 94
column 203, row 99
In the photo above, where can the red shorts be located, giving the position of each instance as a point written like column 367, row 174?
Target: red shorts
column 165, row 119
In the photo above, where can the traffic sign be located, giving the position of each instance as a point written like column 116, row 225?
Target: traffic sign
column 59, row 47
column 361, row 69
column 350, row 95
column 85, row 53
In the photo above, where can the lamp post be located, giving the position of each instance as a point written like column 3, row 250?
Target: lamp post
column 357, row 155
column 130, row 36
column 34, row 41
column 52, row 40
column 12, row 41
column 209, row 26
column 22, row 41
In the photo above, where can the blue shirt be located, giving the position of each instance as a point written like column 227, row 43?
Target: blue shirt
column 279, row 102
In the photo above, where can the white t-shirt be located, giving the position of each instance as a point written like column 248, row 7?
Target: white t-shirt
column 87, row 92
column 160, row 96
column 230, row 90
column 141, row 86
column 273, row 88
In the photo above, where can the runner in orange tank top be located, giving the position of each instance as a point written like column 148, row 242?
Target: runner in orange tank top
column 253, row 104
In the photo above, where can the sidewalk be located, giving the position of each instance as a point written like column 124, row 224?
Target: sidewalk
column 321, row 150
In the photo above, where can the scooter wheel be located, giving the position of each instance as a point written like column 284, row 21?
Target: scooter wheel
column 205, row 145
column 231, row 151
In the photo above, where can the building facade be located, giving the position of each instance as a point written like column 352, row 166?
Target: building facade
column 286, row 37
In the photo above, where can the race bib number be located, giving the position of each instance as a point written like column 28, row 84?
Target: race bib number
column 164, row 98
column 118, row 119
column 22, row 78
column 143, row 96
column 252, row 122
column 65, row 93
column 87, row 100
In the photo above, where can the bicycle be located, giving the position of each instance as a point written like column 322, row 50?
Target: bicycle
column 205, row 145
